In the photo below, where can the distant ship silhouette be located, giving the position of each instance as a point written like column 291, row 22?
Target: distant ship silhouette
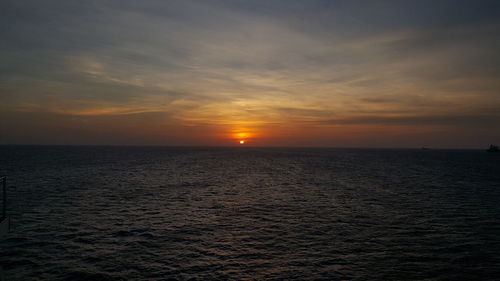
column 493, row 148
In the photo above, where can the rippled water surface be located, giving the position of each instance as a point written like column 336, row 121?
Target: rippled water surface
column 139, row 213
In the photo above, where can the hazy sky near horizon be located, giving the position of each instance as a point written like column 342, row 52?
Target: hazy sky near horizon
column 285, row 73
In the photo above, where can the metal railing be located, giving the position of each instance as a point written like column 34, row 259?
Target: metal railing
column 4, row 219
column 3, row 180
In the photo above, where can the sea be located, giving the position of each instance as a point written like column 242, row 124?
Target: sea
column 248, row 213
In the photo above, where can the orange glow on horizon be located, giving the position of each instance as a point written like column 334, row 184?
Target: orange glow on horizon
column 241, row 136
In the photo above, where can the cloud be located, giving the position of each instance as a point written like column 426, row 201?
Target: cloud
column 459, row 120
column 224, row 63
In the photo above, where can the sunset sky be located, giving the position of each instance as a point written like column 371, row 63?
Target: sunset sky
column 271, row 73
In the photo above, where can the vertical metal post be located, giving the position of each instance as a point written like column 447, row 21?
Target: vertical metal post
column 4, row 205
column 4, row 220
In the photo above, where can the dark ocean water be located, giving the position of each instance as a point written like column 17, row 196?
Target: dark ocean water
column 151, row 213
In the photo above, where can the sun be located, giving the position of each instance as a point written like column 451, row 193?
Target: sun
column 242, row 142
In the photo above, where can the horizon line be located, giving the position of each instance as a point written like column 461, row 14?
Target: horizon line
column 247, row 146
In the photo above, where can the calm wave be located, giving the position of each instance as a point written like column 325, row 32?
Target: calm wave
column 139, row 213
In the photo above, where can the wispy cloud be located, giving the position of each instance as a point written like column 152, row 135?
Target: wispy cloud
column 229, row 64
